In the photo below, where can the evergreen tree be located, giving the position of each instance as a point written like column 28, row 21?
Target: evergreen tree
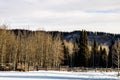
column 100, row 52
column 76, row 49
column 103, row 58
column 94, row 58
column 66, row 60
column 84, row 51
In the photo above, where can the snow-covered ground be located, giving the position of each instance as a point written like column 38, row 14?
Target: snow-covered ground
column 58, row 75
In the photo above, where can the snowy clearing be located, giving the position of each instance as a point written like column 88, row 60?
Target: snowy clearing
column 58, row 75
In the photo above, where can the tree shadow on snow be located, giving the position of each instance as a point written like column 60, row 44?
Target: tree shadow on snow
column 54, row 77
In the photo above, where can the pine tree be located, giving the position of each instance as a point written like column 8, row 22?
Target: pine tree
column 77, row 53
column 100, row 52
column 94, row 58
column 103, row 58
column 84, row 51
column 76, row 49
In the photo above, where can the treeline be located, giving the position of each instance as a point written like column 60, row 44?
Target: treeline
column 25, row 49
column 93, row 55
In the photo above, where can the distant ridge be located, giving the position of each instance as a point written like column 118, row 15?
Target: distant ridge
column 100, row 37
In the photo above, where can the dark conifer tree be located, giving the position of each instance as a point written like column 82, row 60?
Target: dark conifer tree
column 94, row 58
column 84, row 51
column 76, row 53
column 65, row 62
column 100, row 52
column 104, row 58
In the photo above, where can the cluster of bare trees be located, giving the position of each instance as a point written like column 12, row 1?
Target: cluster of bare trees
column 24, row 49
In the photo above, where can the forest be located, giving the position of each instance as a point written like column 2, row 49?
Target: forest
column 28, row 50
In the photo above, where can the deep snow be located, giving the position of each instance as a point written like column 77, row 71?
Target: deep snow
column 58, row 75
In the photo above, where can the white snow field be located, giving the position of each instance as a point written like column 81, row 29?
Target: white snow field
column 58, row 75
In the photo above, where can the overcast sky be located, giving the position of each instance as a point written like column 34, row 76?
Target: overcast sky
column 62, row 15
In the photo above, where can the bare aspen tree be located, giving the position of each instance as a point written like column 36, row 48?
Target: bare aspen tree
column 17, row 50
column 31, row 50
column 118, row 56
column 58, row 51
column 15, row 54
column 10, row 39
column 2, row 46
column 40, row 43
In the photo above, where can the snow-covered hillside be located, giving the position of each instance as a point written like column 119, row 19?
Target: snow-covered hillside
column 58, row 75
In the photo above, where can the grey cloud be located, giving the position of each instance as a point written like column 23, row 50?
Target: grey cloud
column 62, row 12
column 81, row 5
